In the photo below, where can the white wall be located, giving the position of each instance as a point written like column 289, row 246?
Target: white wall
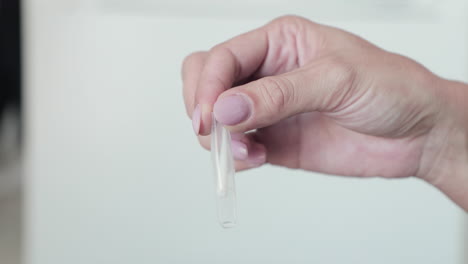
column 115, row 175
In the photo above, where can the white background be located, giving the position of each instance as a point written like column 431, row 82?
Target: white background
column 114, row 173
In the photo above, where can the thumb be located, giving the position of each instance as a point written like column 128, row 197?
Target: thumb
column 268, row 100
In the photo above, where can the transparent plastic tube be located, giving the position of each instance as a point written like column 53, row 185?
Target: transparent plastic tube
column 224, row 171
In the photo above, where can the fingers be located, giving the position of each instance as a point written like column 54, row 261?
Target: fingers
column 191, row 69
column 256, row 158
column 324, row 86
column 283, row 45
column 278, row 47
column 246, row 152
column 225, row 64
column 278, row 50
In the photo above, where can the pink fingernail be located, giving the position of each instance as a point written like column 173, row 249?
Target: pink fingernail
column 239, row 150
column 257, row 156
column 196, row 116
column 232, row 109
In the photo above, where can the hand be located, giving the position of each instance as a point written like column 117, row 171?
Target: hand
column 324, row 100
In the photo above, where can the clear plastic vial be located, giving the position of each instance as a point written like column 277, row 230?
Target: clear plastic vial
column 223, row 162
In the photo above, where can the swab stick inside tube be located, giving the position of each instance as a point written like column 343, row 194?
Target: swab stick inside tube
column 224, row 172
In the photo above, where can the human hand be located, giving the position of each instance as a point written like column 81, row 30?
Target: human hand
column 325, row 100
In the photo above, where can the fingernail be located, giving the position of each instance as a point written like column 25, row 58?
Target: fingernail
column 232, row 109
column 196, row 115
column 239, row 150
column 205, row 119
column 257, row 156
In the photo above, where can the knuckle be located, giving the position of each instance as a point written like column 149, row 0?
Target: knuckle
column 340, row 76
column 219, row 50
column 289, row 20
column 222, row 56
column 216, row 49
column 276, row 93
column 341, row 71
column 222, row 52
column 292, row 23
column 192, row 57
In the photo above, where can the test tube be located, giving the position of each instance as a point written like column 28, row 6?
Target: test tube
column 224, row 172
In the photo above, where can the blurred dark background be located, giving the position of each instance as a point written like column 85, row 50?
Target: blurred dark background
column 10, row 60
column 10, row 135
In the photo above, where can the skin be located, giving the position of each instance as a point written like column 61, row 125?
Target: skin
column 325, row 100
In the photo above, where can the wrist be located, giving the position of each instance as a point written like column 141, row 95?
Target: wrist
column 445, row 155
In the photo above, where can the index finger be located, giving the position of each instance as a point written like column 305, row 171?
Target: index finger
column 280, row 46
column 227, row 63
